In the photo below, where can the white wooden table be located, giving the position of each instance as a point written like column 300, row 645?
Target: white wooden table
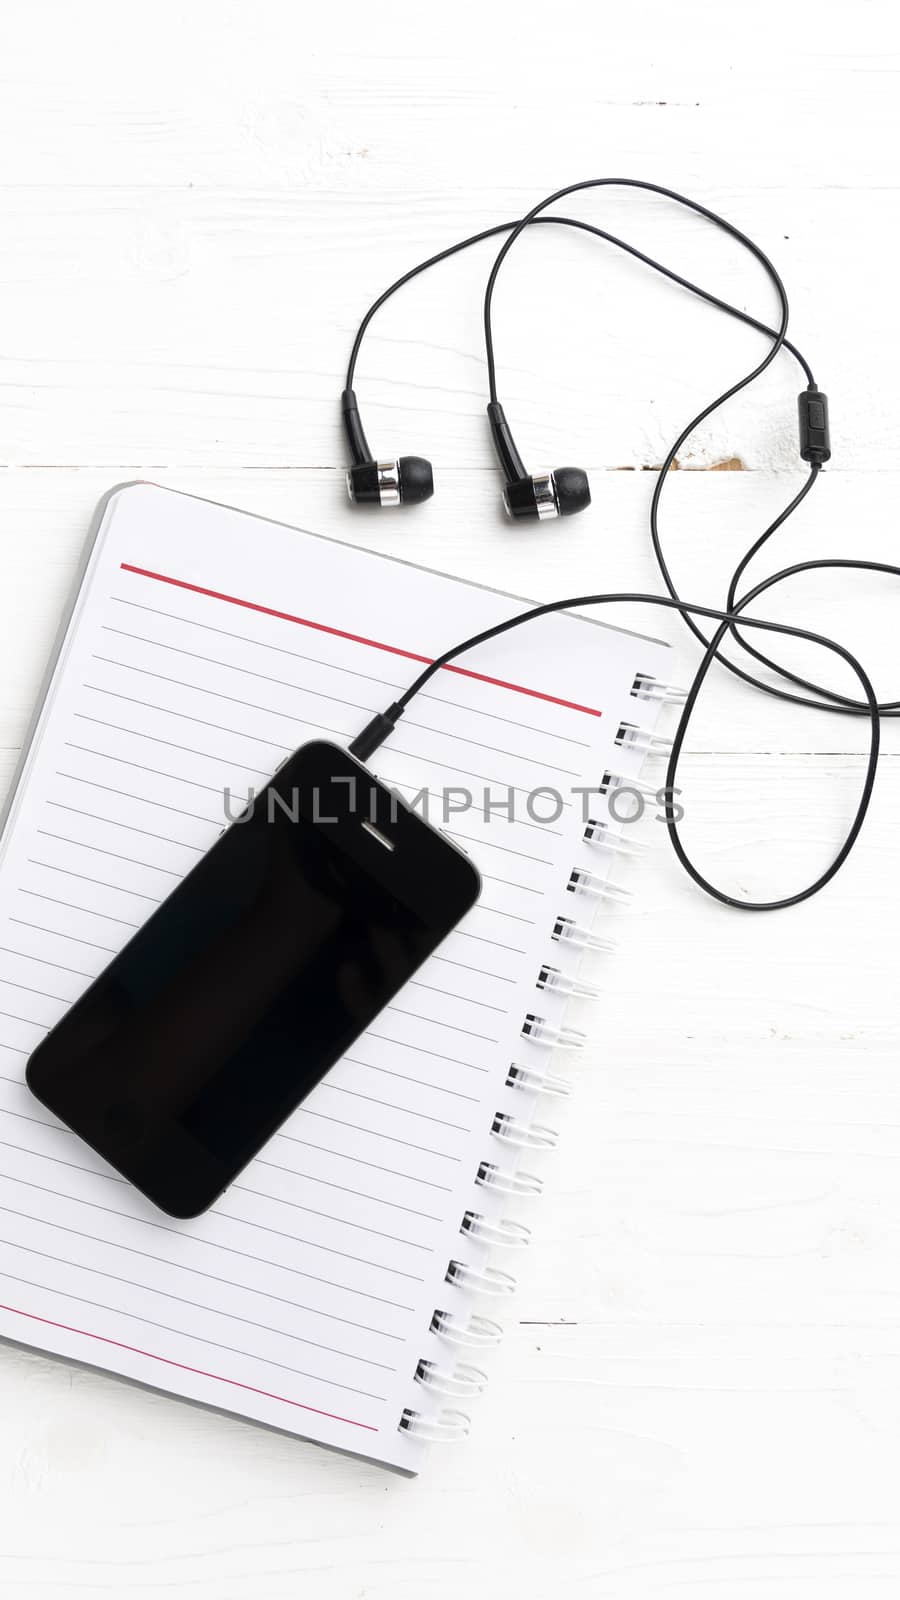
column 700, row 1392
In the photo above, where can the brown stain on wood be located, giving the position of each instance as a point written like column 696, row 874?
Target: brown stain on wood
column 729, row 464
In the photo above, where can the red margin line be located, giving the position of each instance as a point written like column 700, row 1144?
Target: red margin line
column 356, row 638
column 182, row 1367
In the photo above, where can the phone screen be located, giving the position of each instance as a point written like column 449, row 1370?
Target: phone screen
column 252, row 979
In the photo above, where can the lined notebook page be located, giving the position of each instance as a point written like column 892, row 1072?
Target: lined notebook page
column 205, row 645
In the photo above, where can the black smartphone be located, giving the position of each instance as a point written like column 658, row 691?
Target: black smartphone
column 256, row 974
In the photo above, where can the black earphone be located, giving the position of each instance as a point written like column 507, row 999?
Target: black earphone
column 566, row 491
column 405, row 481
column 544, row 494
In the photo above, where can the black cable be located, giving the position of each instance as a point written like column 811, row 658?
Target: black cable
column 668, row 194
column 886, row 708
column 513, row 229
column 376, row 731
column 824, row 698
column 584, row 227
column 732, row 620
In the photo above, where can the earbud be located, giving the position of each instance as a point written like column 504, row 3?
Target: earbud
column 381, row 483
column 546, row 494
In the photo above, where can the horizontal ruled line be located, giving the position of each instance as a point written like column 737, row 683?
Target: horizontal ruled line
column 183, row 716
column 100, row 883
column 407, row 1111
column 518, row 822
column 499, row 944
column 340, row 633
column 319, row 694
column 141, row 766
column 485, row 843
column 97, row 849
column 44, row 993
column 181, row 1366
column 181, row 1333
column 42, row 961
column 496, row 977
column 209, row 1244
column 14, row 1017
column 332, row 666
column 198, row 1305
column 38, row 928
column 195, row 1272
column 411, row 1244
column 433, row 1021
column 187, row 749
column 106, row 788
column 437, row 1088
column 358, row 1161
column 405, row 1045
column 374, row 1133
column 318, row 661
column 70, row 906
column 113, row 1177
column 464, row 999
column 113, row 822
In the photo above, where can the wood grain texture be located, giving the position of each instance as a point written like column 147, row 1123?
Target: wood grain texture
column 699, row 1394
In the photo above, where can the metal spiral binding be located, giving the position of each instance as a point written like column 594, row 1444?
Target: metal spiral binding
column 524, row 1135
column 475, row 1331
column 445, row 1428
column 559, row 982
column 642, row 740
column 457, row 1383
column 646, row 687
column 538, row 1082
column 506, row 1234
column 567, row 931
column 480, row 1280
column 478, row 1333
column 600, row 833
column 525, row 1184
column 588, row 883
column 537, row 1030
column 611, row 781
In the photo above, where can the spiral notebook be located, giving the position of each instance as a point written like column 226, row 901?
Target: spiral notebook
column 342, row 1287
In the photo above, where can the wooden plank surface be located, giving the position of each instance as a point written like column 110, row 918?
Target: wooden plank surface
column 699, row 1394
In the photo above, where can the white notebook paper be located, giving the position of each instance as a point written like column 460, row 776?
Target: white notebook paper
column 203, row 646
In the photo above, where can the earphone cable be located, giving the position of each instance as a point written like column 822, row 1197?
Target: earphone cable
column 380, row 727
column 732, row 621
column 818, row 696
column 583, row 227
column 668, row 194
